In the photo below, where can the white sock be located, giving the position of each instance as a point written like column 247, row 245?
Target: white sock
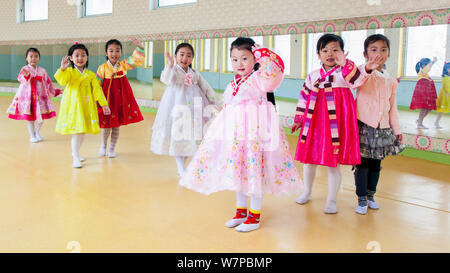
column 106, row 132
column 180, row 164
column 255, row 203
column 334, row 181
column 37, row 129
column 76, row 151
column 30, row 126
column 309, row 174
column 241, row 200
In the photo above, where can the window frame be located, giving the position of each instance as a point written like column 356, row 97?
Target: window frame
column 154, row 5
column 21, row 13
column 83, row 10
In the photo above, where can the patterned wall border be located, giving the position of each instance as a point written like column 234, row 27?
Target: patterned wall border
column 421, row 18
column 418, row 142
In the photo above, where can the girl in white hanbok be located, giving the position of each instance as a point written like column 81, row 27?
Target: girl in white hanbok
column 178, row 126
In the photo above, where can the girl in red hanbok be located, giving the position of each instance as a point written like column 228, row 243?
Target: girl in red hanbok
column 117, row 90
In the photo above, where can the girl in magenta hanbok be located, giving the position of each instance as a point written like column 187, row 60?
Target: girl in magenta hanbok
column 245, row 148
column 32, row 100
column 326, row 114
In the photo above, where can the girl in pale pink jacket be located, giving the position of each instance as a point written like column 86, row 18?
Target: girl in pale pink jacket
column 32, row 100
column 379, row 129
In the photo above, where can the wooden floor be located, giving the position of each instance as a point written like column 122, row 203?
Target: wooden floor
column 132, row 203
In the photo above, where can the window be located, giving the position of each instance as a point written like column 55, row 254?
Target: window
column 354, row 45
column 97, row 7
column 165, row 3
column 207, row 55
column 150, row 54
column 313, row 62
column 34, row 10
column 425, row 42
column 282, row 46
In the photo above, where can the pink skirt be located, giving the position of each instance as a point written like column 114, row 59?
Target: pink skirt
column 318, row 148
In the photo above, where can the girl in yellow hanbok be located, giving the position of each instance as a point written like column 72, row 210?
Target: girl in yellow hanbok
column 78, row 110
column 443, row 101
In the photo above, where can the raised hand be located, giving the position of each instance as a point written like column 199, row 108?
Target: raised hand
column 25, row 72
column 341, row 58
column 169, row 59
column 374, row 62
column 65, row 63
column 256, row 47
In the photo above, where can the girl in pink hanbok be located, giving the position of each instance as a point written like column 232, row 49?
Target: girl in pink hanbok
column 245, row 149
column 32, row 100
column 326, row 114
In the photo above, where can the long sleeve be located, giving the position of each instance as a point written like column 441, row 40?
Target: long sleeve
column 22, row 78
column 393, row 113
column 167, row 75
column 63, row 77
column 302, row 100
column 353, row 75
column 207, row 89
column 100, row 75
column 98, row 92
column 49, row 85
column 270, row 73
column 135, row 60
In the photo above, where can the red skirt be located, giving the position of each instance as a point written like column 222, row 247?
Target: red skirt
column 121, row 101
column 33, row 107
column 318, row 148
column 424, row 96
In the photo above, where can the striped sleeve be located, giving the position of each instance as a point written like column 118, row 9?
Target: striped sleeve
column 353, row 76
column 135, row 60
column 302, row 100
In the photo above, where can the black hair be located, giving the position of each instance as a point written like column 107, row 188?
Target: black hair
column 75, row 47
column 180, row 46
column 243, row 43
column 422, row 63
column 374, row 38
column 328, row 38
column 112, row 42
column 32, row 49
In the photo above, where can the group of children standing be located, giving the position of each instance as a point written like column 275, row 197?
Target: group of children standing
column 244, row 148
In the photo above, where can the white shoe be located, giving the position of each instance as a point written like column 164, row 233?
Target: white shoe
column 420, row 126
column 34, row 140
column 361, row 210
column 111, row 154
column 246, row 227
column 102, row 151
column 39, row 137
column 76, row 163
column 82, row 159
column 235, row 222
column 331, row 208
column 373, row 205
column 303, row 199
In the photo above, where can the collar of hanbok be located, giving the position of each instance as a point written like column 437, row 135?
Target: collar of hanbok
column 238, row 80
column 117, row 65
column 189, row 70
column 33, row 70
column 81, row 72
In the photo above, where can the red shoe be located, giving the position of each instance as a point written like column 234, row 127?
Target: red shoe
column 239, row 218
column 251, row 223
